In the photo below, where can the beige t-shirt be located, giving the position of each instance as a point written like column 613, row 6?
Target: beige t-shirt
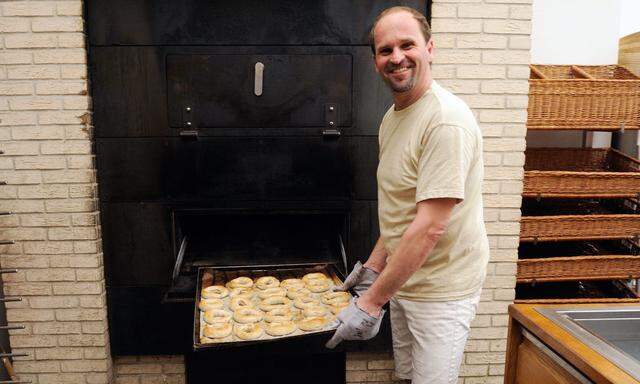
column 433, row 149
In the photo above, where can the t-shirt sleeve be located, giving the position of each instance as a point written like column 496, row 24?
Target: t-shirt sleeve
column 443, row 165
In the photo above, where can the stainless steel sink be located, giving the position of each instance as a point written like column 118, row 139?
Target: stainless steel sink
column 614, row 333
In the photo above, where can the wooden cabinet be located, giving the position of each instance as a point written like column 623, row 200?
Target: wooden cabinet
column 541, row 351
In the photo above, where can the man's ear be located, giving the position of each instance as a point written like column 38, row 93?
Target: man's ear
column 429, row 49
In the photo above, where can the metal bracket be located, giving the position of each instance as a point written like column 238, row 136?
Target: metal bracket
column 189, row 130
column 331, row 115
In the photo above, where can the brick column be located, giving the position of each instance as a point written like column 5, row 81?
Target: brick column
column 45, row 132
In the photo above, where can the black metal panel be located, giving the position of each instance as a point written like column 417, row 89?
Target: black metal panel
column 137, row 244
column 219, row 90
column 139, row 323
column 287, row 168
column 240, row 22
column 130, row 96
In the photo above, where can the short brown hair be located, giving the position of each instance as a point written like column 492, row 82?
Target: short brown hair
column 419, row 17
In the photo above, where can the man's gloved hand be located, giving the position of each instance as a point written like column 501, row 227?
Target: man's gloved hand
column 355, row 324
column 360, row 279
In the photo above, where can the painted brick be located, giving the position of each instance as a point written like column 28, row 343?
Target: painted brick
column 61, row 378
column 482, row 41
column 66, row 87
column 20, row 234
column 498, row 345
column 76, row 102
column 504, row 144
column 84, row 366
column 83, row 340
column 138, row 368
column 37, row 133
column 59, row 117
column 14, row 24
column 503, row 116
column 17, row 118
column 507, row 57
column 496, row 370
column 95, row 353
column 484, row 101
column 456, row 25
column 467, row 370
column 33, row 341
column 56, row 24
column 72, row 176
column 461, row 86
column 515, row 101
column 523, row 12
column 483, row 11
column 36, row 366
column 27, row 289
column 16, row 88
column 60, row 56
column 80, row 162
column 27, row 40
column 481, row 72
column 518, row 27
column 58, row 353
column 35, row 103
column 28, row 8
column 520, row 42
column 77, row 288
column 457, row 56
column 80, row 314
column 443, row 10
column 484, row 358
column 87, row 246
column 95, row 327
column 40, row 162
column 380, row 364
column 50, row 191
column 16, row 57
column 57, row 328
column 71, row 40
column 53, row 301
column 69, row 71
column 69, row 8
column 19, row 315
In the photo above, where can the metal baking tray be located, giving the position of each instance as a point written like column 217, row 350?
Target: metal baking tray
column 220, row 276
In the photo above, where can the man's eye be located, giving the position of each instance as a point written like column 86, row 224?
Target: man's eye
column 384, row 51
column 407, row 46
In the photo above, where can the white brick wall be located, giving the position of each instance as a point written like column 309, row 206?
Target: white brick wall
column 482, row 53
column 45, row 133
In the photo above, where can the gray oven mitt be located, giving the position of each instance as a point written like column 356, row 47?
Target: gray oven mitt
column 360, row 279
column 355, row 324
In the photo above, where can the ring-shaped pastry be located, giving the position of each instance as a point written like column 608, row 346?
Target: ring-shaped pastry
column 277, row 291
column 280, row 328
column 315, row 311
column 217, row 331
column 207, row 304
column 274, row 302
column 239, row 302
column 290, row 283
column 312, row 323
column 240, row 282
column 242, row 292
column 314, row 276
column 215, row 316
column 306, row 302
column 214, row 292
column 250, row 331
column 278, row 315
column 294, row 293
column 338, row 307
column 331, row 298
column 247, row 315
column 318, row 286
column 266, row 282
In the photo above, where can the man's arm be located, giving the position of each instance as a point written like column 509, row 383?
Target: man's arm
column 378, row 258
column 417, row 242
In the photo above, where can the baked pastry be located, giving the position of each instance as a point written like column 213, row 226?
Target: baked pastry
column 207, row 304
column 295, row 292
column 278, row 315
column 338, row 307
column 312, row 323
column 319, row 285
column 331, row 298
column 239, row 302
column 267, row 282
column 240, row 282
column 274, row 302
column 215, row 316
column 217, row 331
column 247, row 315
column 278, row 291
column 315, row 311
column 314, row 276
column 250, row 331
column 214, row 292
column 306, row 302
column 280, row 328
column 290, row 283
column 244, row 292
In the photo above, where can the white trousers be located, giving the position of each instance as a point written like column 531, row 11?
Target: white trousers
column 429, row 338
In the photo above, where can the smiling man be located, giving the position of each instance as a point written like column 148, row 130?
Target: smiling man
column 430, row 260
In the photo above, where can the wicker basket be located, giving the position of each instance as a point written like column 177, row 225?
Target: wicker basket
column 580, row 173
column 583, row 220
column 584, row 97
column 602, row 267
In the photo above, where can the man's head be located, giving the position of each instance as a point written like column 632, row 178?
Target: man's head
column 402, row 47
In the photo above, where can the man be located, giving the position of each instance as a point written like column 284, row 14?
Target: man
column 430, row 260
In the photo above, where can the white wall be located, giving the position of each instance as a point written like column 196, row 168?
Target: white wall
column 578, row 32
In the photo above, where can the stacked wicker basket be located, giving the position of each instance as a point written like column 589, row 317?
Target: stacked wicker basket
column 581, row 206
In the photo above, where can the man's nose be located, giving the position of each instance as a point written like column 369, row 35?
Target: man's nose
column 397, row 56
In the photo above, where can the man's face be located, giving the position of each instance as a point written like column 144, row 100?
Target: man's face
column 402, row 56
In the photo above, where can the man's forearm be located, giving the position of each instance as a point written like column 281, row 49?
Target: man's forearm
column 409, row 256
column 378, row 257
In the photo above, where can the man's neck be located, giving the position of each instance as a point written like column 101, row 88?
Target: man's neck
column 404, row 99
